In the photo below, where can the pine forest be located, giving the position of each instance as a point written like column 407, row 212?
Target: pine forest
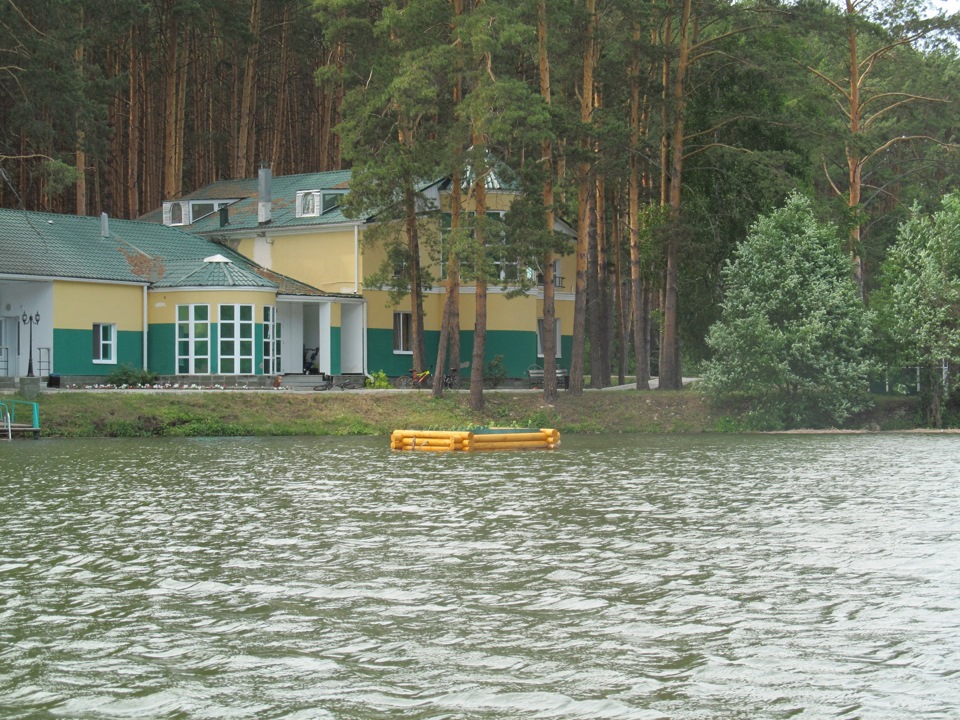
column 660, row 130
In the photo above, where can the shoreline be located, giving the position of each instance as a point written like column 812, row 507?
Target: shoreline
column 136, row 412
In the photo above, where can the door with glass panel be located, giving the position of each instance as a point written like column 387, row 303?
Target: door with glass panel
column 236, row 339
column 8, row 346
column 193, row 339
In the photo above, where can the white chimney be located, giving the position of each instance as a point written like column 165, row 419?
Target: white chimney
column 104, row 225
column 264, row 204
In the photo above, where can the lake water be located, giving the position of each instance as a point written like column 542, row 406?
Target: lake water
column 620, row 577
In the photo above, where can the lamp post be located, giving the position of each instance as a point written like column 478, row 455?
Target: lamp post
column 31, row 320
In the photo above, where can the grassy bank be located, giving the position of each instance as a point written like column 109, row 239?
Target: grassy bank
column 127, row 413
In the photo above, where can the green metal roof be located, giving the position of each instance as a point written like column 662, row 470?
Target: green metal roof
column 204, row 273
column 72, row 246
column 34, row 244
column 242, row 213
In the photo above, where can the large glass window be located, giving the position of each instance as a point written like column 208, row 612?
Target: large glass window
column 556, row 336
column 402, row 324
column 105, row 343
column 271, row 341
column 236, row 339
column 193, row 339
column 506, row 266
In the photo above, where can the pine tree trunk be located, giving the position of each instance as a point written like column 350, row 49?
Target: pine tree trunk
column 81, row 155
column 171, row 182
column 854, row 159
column 584, row 189
column 244, row 163
column 670, row 375
column 480, row 325
column 450, row 322
column 636, row 283
column 621, row 327
column 416, row 292
column 449, row 344
column 548, row 336
column 594, row 324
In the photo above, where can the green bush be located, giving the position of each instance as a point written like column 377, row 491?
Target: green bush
column 378, row 381
column 495, row 372
column 131, row 376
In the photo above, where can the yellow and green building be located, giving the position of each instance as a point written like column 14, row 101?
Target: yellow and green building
column 242, row 279
column 81, row 297
column 294, row 225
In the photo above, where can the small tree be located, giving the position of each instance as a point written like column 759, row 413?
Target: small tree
column 919, row 301
column 791, row 338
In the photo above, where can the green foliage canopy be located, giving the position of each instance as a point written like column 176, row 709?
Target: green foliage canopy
column 792, row 335
column 919, row 300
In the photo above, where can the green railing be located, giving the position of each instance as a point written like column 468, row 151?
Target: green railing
column 8, row 415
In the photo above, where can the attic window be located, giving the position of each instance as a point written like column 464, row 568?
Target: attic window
column 202, row 208
column 308, row 204
column 313, row 203
column 184, row 212
column 173, row 213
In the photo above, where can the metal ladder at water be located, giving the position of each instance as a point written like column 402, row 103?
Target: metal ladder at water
column 5, row 421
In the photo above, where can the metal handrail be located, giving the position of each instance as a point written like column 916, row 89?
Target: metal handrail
column 34, row 412
column 5, row 420
column 43, row 361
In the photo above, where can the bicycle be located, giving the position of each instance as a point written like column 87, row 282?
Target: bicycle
column 415, row 380
column 345, row 384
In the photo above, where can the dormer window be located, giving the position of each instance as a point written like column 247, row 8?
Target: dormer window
column 184, row 212
column 202, row 208
column 331, row 201
column 309, row 204
column 173, row 212
column 313, row 203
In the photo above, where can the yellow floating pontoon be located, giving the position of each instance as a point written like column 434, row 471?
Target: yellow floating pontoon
column 473, row 440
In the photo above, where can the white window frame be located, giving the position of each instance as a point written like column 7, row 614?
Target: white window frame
column 556, row 337
column 238, row 346
column 402, row 321
column 312, row 195
column 105, row 348
column 193, row 332
column 322, row 201
column 271, row 341
column 170, row 209
column 186, row 210
column 217, row 204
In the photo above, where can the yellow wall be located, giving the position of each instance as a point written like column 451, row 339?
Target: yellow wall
column 163, row 303
column 77, row 305
column 325, row 260
column 518, row 313
column 380, row 312
column 499, row 201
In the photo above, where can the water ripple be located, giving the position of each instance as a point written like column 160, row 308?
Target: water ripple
column 681, row 578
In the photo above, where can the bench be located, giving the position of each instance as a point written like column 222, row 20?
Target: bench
column 535, row 372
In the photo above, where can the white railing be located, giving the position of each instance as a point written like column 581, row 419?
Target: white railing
column 4, row 361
